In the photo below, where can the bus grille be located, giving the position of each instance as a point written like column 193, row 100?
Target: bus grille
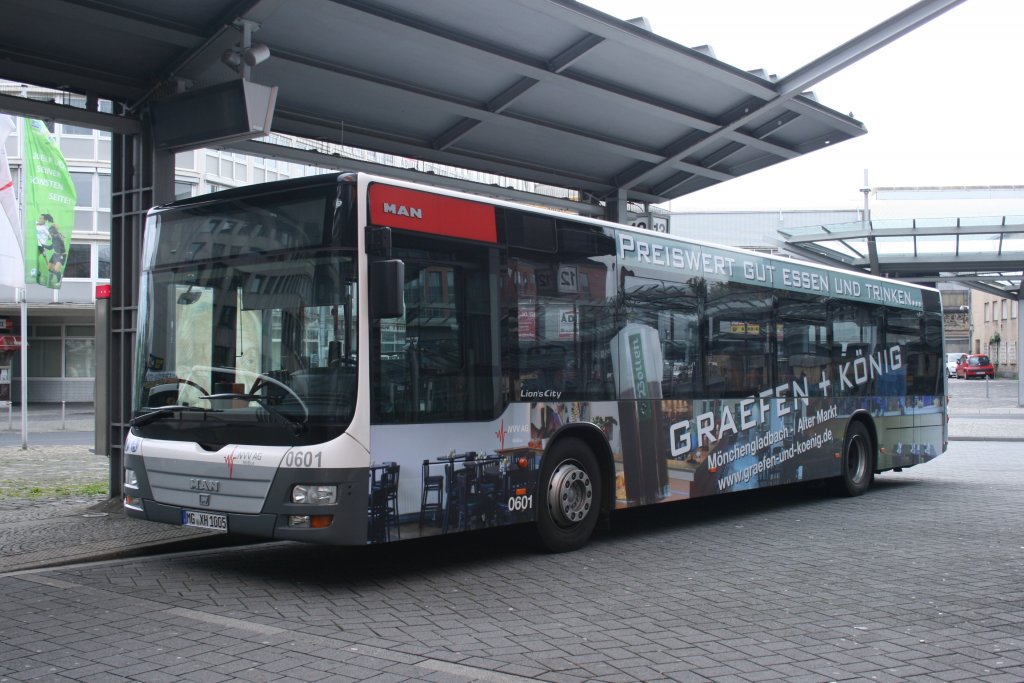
column 208, row 485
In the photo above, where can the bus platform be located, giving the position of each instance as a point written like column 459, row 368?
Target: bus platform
column 54, row 507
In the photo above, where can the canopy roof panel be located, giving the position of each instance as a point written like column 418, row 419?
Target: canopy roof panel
column 545, row 90
column 983, row 252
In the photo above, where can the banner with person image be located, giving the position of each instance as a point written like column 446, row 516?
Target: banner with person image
column 49, row 207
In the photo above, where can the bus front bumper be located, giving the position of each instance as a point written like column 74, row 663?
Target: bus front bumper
column 343, row 522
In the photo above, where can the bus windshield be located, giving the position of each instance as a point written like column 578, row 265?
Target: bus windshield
column 245, row 345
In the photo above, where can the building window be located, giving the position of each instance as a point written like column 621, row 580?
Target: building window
column 67, row 129
column 1004, row 307
column 55, row 352
column 103, row 262
column 79, row 257
column 44, row 358
column 986, row 312
column 79, row 358
column 92, row 205
column 183, row 190
column 103, row 200
column 1013, row 310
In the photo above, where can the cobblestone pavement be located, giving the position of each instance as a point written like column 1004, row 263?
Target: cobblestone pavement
column 922, row 579
column 60, row 523
column 54, row 504
column 47, row 469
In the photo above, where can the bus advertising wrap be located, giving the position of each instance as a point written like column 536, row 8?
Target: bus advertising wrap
column 682, row 258
column 666, row 450
column 547, row 369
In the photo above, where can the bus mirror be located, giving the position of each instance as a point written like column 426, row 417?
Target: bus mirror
column 387, row 282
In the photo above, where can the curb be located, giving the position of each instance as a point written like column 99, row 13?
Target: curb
column 987, row 438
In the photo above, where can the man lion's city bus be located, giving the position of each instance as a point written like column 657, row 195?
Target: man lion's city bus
column 350, row 359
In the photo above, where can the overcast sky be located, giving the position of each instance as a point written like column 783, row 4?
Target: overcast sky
column 942, row 105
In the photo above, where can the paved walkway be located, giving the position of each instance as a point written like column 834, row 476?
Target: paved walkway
column 981, row 410
column 920, row 581
column 54, row 509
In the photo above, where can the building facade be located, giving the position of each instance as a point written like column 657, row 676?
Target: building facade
column 994, row 330
column 757, row 230
column 61, row 322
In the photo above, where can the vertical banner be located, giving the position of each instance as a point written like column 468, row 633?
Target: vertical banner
column 49, row 207
column 12, row 250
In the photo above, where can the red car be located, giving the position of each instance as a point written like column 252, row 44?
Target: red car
column 975, row 365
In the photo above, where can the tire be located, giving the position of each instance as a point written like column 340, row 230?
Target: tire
column 858, row 461
column 570, row 500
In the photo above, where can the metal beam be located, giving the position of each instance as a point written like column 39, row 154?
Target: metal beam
column 22, row 106
column 942, row 231
column 800, row 80
column 553, row 68
column 252, row 10
column 699, row 63
column 42, row 70
column 123, row 18
column 302, row 156
column 981, row 287
column 465, row 108
column 857, row 48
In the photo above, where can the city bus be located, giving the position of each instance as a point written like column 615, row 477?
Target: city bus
column 352, row 359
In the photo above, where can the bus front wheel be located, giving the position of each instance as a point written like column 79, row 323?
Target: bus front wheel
column 858, row 461
column 571, row 499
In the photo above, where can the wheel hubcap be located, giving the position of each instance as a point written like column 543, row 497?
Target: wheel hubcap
column 856, row 462
column 570, row 494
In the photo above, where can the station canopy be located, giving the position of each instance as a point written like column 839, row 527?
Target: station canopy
column 545, row 90
column 981, row 252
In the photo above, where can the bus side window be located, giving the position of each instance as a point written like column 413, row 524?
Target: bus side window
column 435, row 362
column 856, row 333
column 738, row 323
column 802, row 341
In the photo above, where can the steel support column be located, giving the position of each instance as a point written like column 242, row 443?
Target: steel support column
column 1020, row 346
column 141, row 177
column 615, row 210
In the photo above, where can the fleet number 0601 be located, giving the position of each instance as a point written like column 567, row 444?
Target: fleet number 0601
column 302, row 459
column 520, row 503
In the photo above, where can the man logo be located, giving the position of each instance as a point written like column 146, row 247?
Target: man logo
column 400, row 210
column 204, row 499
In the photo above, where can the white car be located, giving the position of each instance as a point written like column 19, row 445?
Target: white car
column 951, row 359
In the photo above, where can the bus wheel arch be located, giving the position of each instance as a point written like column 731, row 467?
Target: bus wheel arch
column 859, row 458
column 573, row 489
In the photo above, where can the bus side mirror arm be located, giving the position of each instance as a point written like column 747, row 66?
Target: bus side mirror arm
column 387, row 288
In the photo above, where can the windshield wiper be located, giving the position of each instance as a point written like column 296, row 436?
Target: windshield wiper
column 167, row 411
column 266, row 403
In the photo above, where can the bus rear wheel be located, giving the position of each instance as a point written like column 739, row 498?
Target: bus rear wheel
column 858, row 461
column 571, row 499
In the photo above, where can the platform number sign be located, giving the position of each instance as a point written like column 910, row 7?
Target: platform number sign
column 568, row 280
column 649, row 221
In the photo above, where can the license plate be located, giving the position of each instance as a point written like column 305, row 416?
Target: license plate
column 204, row 520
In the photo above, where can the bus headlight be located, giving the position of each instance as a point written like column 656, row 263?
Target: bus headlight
column 131, row 480
column 314, row 494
